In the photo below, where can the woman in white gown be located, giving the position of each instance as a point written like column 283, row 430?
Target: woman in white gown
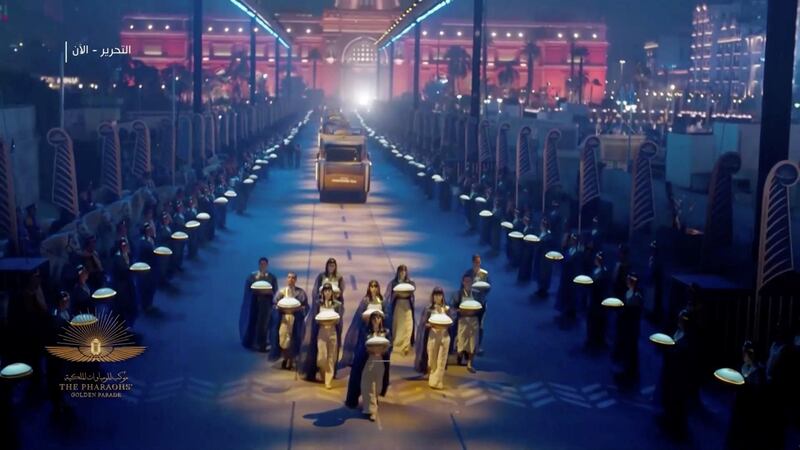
column 372, row 379
column 330, row 275
column 433, row 343
column 400, row 312
column 468, row 325
column 320, row 349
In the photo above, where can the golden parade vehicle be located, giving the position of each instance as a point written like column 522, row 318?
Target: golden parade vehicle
column 343, row 164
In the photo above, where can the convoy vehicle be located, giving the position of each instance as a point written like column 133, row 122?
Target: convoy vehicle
column 343, row 165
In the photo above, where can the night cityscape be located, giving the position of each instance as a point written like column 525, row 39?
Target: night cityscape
column 399, row 224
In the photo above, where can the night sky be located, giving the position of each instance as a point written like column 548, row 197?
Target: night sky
column 630, row 22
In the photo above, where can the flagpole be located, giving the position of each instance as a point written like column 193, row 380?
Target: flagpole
column 545, row 149
column 544, row 185
column 516, row 181
column 497, row 157
column 581, row 182
column 61, row 86
column 480, row 150
column 174, row 127
column 634, row 173
column 631, row 213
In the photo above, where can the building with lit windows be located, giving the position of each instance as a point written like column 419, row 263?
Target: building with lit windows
column 727, row 51
column 339, row 46
column 667, row 59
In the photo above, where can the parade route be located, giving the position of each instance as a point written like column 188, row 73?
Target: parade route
column 195, row 386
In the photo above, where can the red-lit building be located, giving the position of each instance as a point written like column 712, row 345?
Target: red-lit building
column 344, row 39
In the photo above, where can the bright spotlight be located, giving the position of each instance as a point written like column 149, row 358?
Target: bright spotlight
column 364, row 99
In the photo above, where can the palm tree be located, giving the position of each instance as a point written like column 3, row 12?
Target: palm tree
column 508, row 76
column 314, row 56
column 238, row 70
column 595, row 82
column 571, row 80
column 580, row 53
column 641, row 77
column 533, row 52
column 293, row 84
column 183, row 81
column 458, row 61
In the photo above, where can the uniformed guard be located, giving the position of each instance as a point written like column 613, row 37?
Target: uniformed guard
column 626, row 345
column 291, row 305
column 146, row 282
column 257, row 307
column 544, row 266
column 124, row 302
column 596, row 315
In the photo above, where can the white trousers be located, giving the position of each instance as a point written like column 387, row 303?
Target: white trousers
column 285, row 331
column 327, row 352
column 371, row 383
column 468, row 334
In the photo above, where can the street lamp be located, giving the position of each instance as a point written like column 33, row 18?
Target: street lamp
column 438, row 39
column 621, row 73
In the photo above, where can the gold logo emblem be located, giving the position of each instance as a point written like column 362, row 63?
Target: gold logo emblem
column 91, row 339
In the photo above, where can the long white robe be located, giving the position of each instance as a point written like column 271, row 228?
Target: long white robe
column 402, row 325
column 438, row 345
column 468, row 334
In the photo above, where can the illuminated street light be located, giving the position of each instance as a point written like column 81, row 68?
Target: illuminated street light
column 260, row 19
column 413, row 15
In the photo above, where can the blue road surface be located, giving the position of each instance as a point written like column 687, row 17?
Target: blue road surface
column 197, row 388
